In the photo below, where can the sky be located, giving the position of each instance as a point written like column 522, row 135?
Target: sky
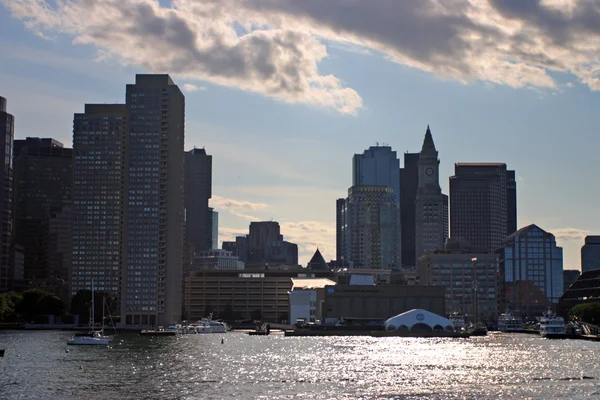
column 282, row 94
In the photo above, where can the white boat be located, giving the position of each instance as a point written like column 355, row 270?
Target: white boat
column 552, row 325
column 458, row 321
column 96, row 339
column 510, row 323
column 207, row 325
column 93, row 337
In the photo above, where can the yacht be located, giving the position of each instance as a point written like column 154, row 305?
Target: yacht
column 458, row 321
column 510, row 323
column 552, row 325
column 208, row 325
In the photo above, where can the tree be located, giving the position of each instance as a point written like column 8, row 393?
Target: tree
column 8, row 306
column 50, row 304
column 588, row 312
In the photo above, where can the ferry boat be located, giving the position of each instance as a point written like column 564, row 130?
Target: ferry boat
column 458, row 321
column 510, row 323
column 552, row 326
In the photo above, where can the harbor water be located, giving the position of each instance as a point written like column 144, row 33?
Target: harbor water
column 39, row 365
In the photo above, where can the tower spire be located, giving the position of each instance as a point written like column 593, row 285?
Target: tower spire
column 428, row 145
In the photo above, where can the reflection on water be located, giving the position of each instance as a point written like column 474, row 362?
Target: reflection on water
column 37, row 365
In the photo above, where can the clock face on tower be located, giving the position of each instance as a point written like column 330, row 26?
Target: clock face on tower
column 429, row 171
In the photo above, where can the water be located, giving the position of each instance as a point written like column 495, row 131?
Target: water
column 37, row 366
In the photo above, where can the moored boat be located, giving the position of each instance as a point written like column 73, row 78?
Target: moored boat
column 510, row 323
column 552, row 326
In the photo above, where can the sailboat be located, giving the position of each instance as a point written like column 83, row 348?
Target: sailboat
column 94, row 337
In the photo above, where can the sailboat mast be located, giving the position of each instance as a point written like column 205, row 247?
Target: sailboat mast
column 93, row 309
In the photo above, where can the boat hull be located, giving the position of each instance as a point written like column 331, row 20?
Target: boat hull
column 88, row 342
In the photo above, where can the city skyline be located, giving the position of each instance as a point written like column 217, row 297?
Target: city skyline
column 501, row 120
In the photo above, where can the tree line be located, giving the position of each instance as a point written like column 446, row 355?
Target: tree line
column 28, row 305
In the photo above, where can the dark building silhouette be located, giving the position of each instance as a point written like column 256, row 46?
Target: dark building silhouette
column 263, row 246
column 339, row 229
column 43, row 171
column 129, row 203
column 409, row 181
column 586, row 289
column 198, row 191
column 7, row 122
column 479, row 204
column 239, row 248
column 317, row 262
column 590, row 254
column 511, row 202
column 569, row 277
column 266, row 245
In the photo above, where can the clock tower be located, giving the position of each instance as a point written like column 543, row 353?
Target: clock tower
column 431, row 206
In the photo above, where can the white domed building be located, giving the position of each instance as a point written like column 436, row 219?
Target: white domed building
column 418, row 320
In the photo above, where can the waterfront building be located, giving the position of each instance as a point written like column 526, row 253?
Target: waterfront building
column 99, row 146
column 7, row 122
column 371, row 228
column 471, row 278
column 431, row 206
column 531, row 254
column 216, row 259
column 586, row 289
column 307, row 298
column 151, row 279
column 569, row 277
column 43, row 180
column 590, row 254
column 482, row 195
column 380, row 302
column 255, row 293
column 198, row 191
column 128, row 201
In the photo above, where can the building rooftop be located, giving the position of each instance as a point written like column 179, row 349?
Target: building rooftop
column 311, row 283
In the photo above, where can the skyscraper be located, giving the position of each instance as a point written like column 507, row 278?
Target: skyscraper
column 378, row 166
column 590, row 254
column 409, row 182
column 532, row 262
column 371, row 228
column 99, row 196
column 479, row 200
column 431, row 215
column 128, row 200
column 7, row 122
column 151, row 279
column 368, row 221
column 198, row 191
column 43, row 180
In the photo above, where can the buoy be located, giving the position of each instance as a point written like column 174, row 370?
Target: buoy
column 66, row 350
column 222, row 340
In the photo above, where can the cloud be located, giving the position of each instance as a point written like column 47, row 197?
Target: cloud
column 238, row 208
column 569, row 234
column 188, row 87
column 274, row 47
column 310, row 235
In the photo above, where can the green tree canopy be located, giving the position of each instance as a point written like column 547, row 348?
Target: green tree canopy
column 588, row 312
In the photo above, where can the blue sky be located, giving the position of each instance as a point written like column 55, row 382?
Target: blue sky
column 282, row 94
